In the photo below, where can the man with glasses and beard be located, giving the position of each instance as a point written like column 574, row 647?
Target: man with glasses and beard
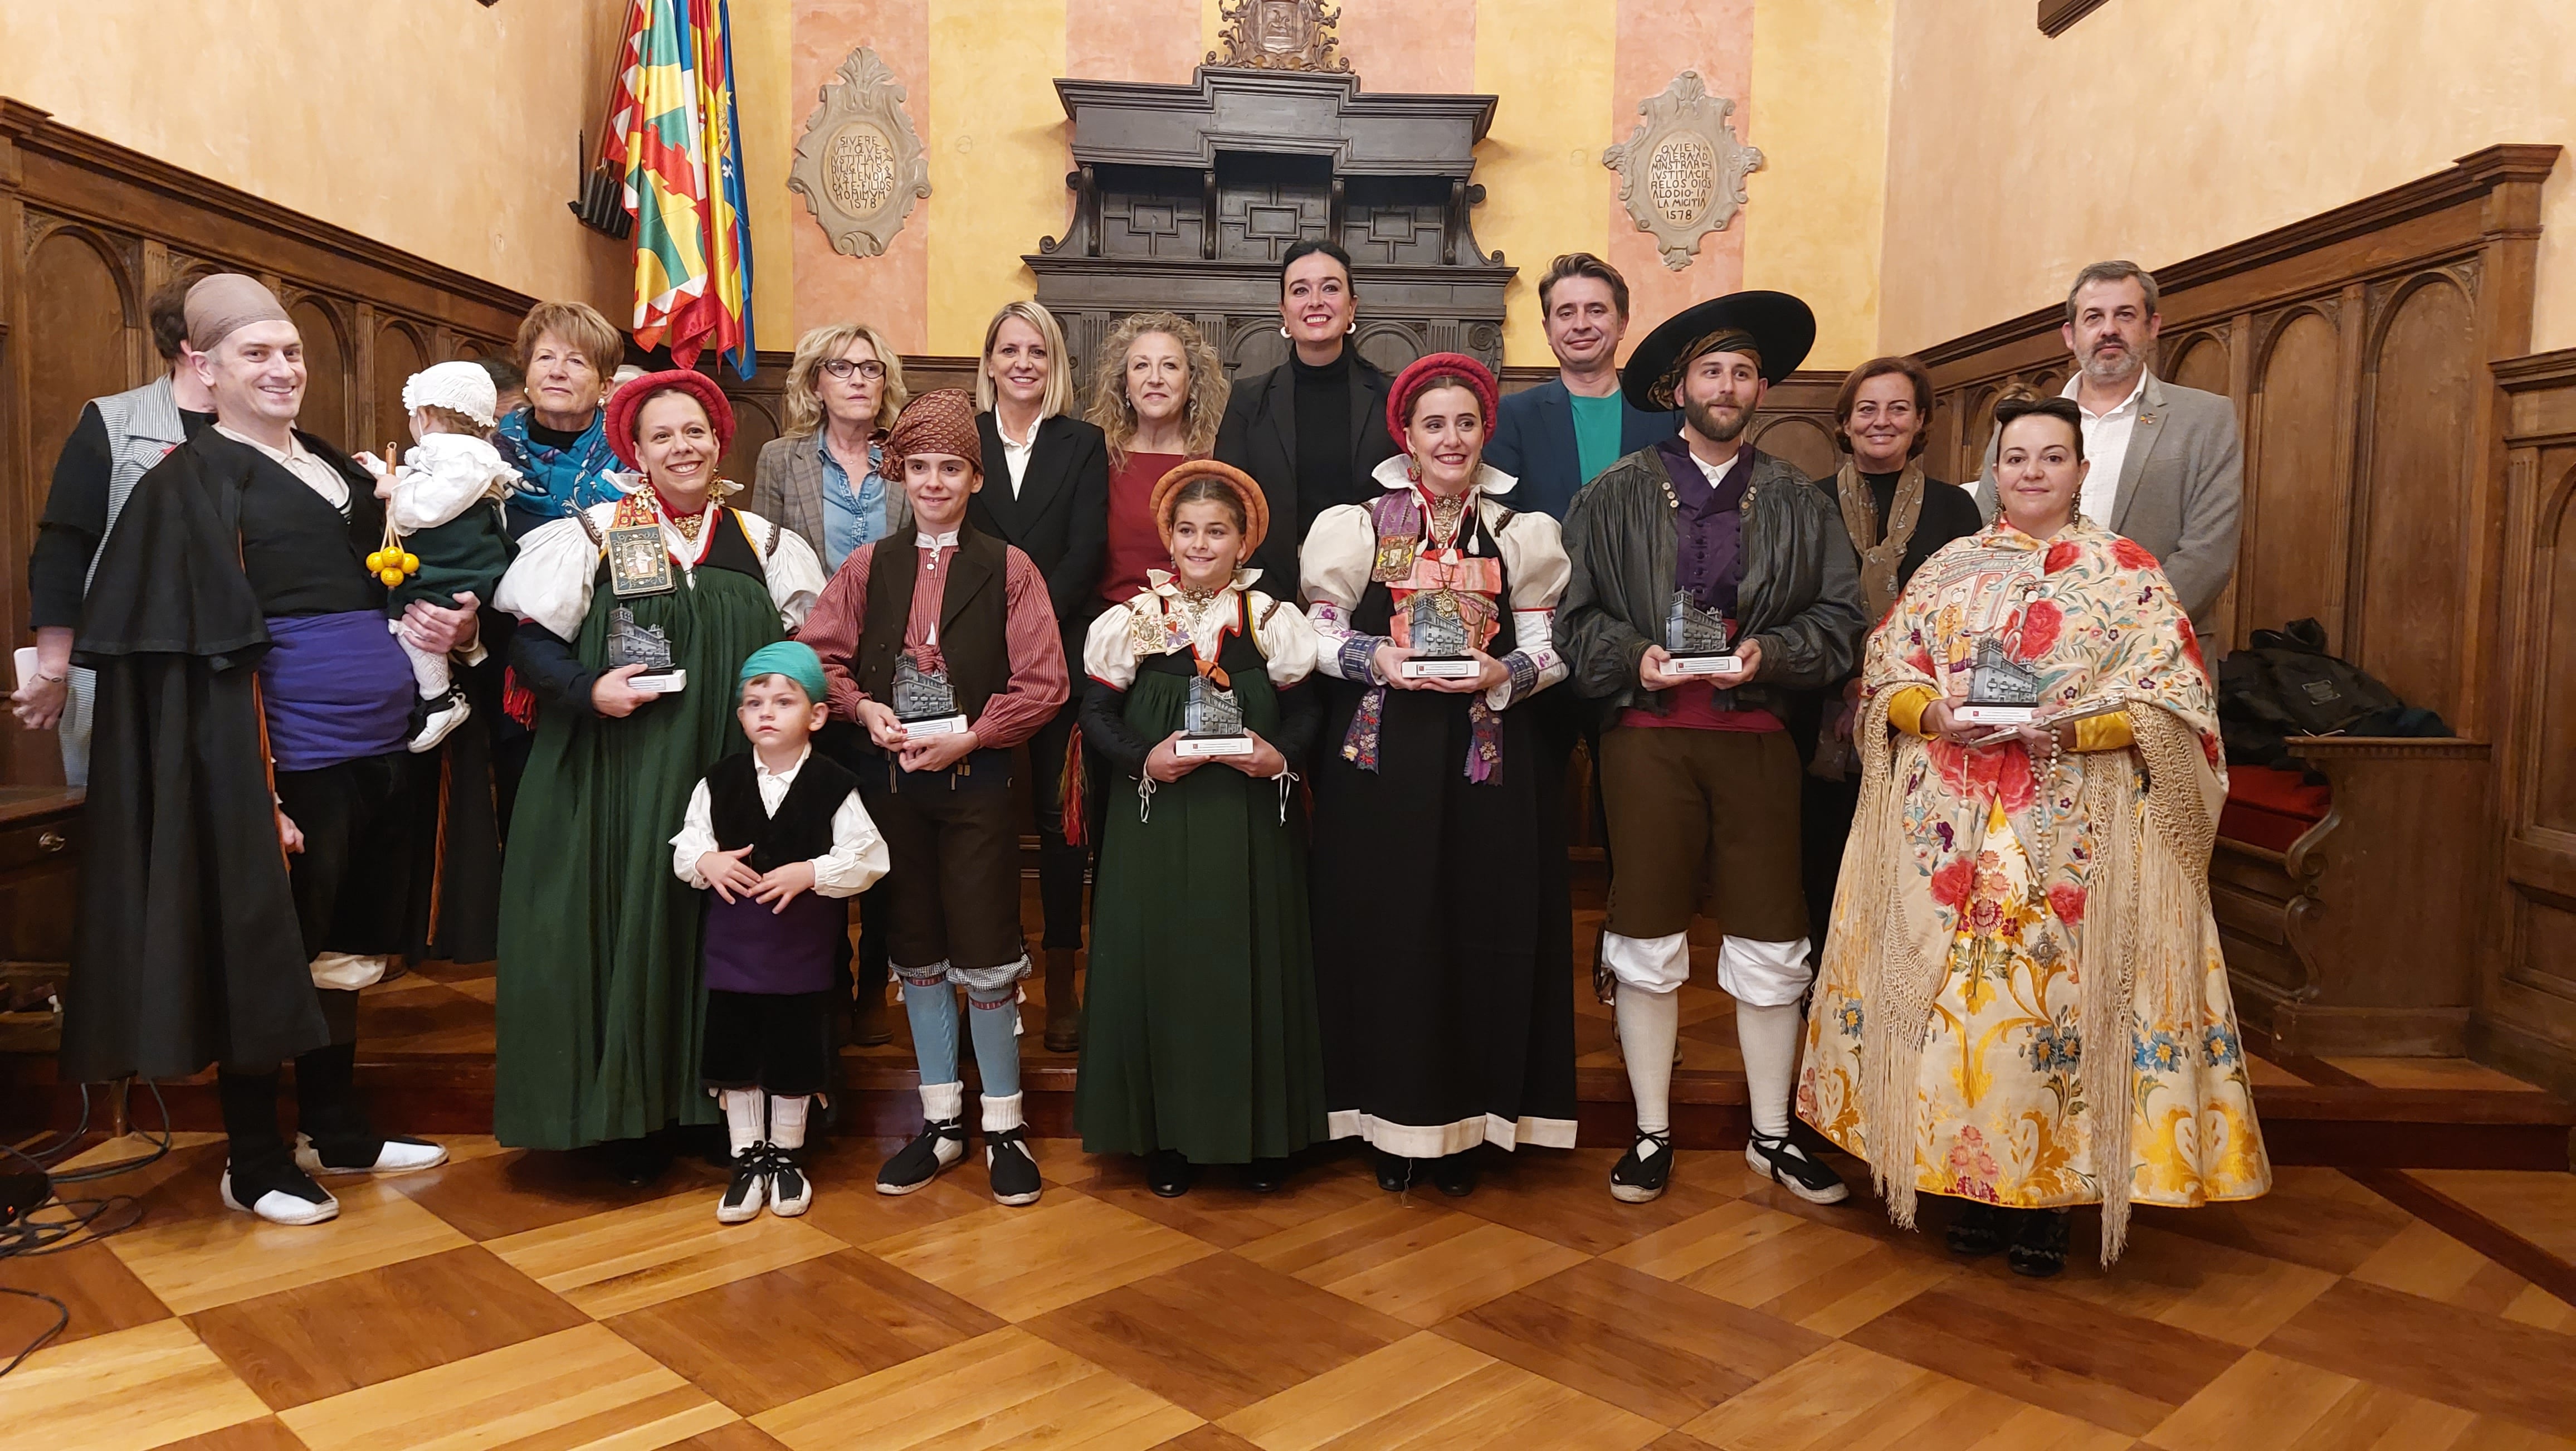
column 2168, row 463
column 1698, row 775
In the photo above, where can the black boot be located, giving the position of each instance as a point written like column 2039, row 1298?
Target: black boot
column 2038, row 1241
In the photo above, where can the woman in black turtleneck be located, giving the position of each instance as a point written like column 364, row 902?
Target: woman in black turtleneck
column 1310, row 430
column 1897, row 517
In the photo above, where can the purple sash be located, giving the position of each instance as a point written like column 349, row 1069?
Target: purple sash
column 336, row 687
column 751, row 949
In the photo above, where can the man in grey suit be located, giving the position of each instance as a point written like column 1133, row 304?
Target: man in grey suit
column 2168, row 465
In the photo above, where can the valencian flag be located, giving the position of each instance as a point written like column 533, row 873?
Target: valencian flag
column 672, row 130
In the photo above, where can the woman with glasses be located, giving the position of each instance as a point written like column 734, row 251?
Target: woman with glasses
column 820, row 478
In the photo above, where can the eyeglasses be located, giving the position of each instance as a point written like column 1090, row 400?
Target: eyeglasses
column 871, row 370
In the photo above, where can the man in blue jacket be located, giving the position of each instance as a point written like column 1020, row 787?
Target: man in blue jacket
column 1558, row 436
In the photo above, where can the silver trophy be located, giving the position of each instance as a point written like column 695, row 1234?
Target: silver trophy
column 1212, row 722
column 924, row 702
column 2001, row 691
column 632, row 644
column 1438, row 627
column 1697, row 640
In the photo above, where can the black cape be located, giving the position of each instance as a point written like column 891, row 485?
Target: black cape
column 186, row 950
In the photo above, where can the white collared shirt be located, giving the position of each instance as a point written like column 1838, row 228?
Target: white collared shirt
column 935, row 543
column 298, row 460
column 1015, row 456
column 857, row 858
column 2106, row 447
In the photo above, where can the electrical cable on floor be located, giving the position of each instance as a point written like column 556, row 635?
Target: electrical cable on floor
column 62, row 1318
column 79, row 1221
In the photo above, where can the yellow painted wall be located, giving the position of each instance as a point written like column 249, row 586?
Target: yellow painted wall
column 998, row 158
column 772, row 117
column 1550, row 64
column 446, row 129
column 1819, row 113
column 2157, row 131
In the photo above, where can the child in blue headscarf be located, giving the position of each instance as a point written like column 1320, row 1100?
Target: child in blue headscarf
column 778, row 837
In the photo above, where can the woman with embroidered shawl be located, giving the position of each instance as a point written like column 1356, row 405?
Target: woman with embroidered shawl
column 1444, row 938
column 1199, row 1043
column 600, row 1008
column 2015, row 896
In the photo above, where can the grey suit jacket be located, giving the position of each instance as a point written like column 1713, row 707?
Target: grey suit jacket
column 787, row 486
column 2182, row 491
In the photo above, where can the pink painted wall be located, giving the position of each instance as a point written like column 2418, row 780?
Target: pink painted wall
column 1120, row 40
column 1659, row 39
column 891, row 292
column 1410, row 45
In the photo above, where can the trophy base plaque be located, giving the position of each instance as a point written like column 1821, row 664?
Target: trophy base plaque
column 659, row 682
column 1441, row 667
column 934, row 725
column 1188, row 747
column 1703, row 664
column 1995, row 715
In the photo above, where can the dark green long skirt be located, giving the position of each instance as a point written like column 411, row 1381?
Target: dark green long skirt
column 1198, row 1033
column 599, row 1005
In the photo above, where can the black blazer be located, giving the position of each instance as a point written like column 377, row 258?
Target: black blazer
column 1534, row 443
column 1259, row 436
column 1060, row 519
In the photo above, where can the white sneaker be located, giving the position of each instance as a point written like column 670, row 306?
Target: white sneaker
column 399, row 1156
column 278, row 1207
column 749, row 1189
column 449, row 713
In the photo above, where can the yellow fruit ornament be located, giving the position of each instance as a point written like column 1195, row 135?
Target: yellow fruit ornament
column 393, row 563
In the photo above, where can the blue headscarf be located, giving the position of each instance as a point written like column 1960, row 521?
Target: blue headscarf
column 797, row 662
column 553, row 483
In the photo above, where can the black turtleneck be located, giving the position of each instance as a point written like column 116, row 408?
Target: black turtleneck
column 1323, row 408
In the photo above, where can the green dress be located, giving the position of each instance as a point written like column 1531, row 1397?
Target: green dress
column 1198, row 1032
column 599, row 1005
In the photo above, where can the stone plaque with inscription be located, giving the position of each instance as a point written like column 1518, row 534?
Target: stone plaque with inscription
column 860, row 165
column 1681, row 175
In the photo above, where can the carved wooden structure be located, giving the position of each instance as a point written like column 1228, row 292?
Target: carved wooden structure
column 2526, row 1020
column 88, row 229
column 1185, row 197
column 2369, row 351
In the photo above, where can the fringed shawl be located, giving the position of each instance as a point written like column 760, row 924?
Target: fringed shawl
column 2101, row 623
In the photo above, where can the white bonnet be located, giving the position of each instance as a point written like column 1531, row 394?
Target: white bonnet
column 461, row 386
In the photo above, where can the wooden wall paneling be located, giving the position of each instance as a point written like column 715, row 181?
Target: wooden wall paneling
column 2409, row 622
column 328, row 360
column 2290, row 561
column 2525, row 1017
column 399, row 353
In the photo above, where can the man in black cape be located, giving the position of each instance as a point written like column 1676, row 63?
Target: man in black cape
column 260, row 842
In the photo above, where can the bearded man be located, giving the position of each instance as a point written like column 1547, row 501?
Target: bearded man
column 2168, row 462
column 1698, row 775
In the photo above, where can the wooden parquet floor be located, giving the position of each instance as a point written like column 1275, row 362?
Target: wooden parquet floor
column 525, row 1300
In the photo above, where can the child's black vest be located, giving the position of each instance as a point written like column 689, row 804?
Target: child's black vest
column 749, row 947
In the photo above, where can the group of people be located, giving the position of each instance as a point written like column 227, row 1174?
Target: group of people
column 1298, row 664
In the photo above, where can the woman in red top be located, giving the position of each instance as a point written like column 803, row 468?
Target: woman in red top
column 1159, row 396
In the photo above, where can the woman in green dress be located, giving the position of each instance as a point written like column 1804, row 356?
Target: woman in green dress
column 599, row 1007
column 1198, row 1035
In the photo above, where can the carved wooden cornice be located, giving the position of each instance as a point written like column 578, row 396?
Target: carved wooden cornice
column 2476, row 175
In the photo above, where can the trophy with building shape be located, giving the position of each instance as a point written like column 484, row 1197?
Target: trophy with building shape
column 1437, row 631
column 1697, row 640
column 1212, row 722
column 632, row 644
column 925, row 704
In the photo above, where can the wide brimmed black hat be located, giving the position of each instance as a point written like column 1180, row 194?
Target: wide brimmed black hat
column 1779, row 328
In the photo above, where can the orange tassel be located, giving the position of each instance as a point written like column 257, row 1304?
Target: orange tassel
column 1077, row 811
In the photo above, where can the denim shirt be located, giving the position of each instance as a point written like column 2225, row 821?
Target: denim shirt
column 852, row 519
